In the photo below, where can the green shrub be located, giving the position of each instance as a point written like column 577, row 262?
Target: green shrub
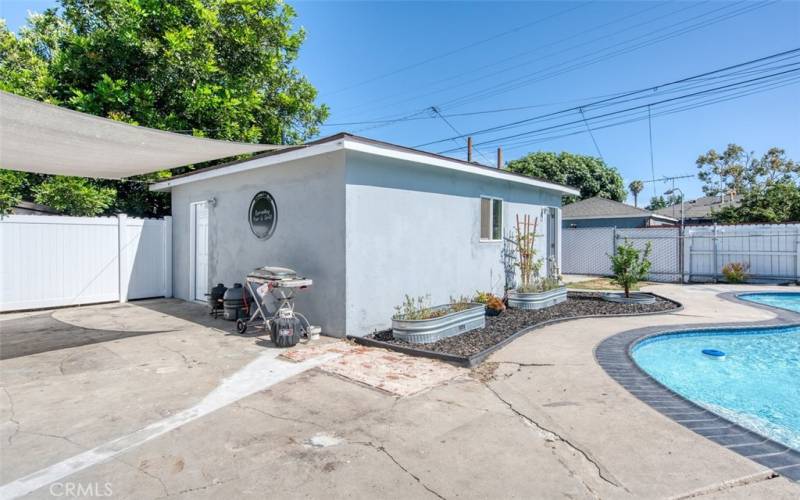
column 629, row 265
column 735, row 272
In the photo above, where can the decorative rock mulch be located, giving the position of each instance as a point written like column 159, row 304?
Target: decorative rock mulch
column 512, row 321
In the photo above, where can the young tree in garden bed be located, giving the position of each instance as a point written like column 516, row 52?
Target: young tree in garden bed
column 629, row 265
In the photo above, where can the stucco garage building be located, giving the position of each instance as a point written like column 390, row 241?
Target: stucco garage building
column 368, row 221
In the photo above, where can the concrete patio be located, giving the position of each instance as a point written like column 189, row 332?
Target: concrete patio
column 155, row 399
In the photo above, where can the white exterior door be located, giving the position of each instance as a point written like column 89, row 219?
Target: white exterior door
column 200, row 251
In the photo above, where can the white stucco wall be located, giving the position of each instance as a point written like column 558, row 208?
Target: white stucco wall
column 415, row 229
column 309, row 236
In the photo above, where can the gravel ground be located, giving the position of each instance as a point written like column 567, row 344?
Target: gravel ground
column 499, row 328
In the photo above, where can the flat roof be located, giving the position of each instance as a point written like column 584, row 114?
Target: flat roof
column 349, row 142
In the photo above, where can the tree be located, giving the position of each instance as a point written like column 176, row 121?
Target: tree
column 659, row 202
column 11, row 185
column 736, row 170
column 590, row 175
column 629, row 265
column 216, row 68
column 773, row 203
column 74, row 196
column 636, row 187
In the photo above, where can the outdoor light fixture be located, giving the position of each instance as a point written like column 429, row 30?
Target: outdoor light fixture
column 673, row 191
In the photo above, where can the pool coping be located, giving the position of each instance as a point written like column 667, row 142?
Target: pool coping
column 614, row 355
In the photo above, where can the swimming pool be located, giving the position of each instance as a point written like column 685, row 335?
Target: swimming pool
column 783, row 300
column 756, row 384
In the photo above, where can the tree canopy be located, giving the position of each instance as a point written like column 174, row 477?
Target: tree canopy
column 635, row 188
column 216, row 68
column 736, row 170
column 590, row 175
column 768, row 184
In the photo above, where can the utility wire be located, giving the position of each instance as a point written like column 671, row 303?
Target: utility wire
column 588, row 129
column 436, row 111
column 459, row 49
column 642, row 106
column 652, row 160
column 610, row 99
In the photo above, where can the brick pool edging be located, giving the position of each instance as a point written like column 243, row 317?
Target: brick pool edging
column 614, row 355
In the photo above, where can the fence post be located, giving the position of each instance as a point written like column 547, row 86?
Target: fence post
column 797, row 255
column 122, row 256
column 716, row 269
column 167, row 256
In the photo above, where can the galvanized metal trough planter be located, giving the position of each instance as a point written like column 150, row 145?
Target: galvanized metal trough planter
column 536, row 300
column 635, row 298
column 423, row 331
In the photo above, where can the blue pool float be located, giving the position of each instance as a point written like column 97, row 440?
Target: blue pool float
column 714, row 353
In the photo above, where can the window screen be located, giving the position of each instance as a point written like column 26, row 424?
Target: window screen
column 486, row 218
column 491, row 219
column 497, row 219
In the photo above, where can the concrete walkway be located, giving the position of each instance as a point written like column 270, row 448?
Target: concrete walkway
column 540, row 419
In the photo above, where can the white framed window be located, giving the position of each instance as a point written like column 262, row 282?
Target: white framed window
column 491, row 219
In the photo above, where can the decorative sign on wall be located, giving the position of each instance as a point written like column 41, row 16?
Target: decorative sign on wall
column 263, row 215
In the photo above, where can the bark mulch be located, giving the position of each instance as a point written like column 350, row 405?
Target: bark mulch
column 511, row 321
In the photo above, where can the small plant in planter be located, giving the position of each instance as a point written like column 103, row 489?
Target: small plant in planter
column 534, row 292
column 494, row 304
column 416, row 321
column 735, row 272
column 630, row 266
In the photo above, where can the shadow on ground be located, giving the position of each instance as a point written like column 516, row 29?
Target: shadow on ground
column 43, row 333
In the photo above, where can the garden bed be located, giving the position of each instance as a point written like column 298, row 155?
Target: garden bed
column 471, row 348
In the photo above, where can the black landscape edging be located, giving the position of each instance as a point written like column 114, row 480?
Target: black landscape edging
column 478, row 357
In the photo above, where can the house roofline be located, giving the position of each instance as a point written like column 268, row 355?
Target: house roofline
column 631, row 216
column 348, row 142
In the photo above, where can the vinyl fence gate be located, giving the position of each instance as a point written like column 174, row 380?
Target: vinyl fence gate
column 52, row 261
column 770, row 251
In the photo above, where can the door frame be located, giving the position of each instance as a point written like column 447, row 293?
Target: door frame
column 193, row 247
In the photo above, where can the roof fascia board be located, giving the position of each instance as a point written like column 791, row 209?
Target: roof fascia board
column 299, row 154
column 355, row 145
column 578, row 217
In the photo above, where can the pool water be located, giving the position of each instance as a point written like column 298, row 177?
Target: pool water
column 756, row 384
column 783, row 300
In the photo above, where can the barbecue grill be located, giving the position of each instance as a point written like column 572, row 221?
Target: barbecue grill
column 273, row 290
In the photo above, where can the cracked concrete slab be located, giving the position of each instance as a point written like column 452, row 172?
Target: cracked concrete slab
column 539, row 420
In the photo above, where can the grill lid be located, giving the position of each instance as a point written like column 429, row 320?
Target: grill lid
column 267, row 272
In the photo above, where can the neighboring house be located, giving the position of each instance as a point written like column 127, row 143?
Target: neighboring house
column 700, row 211
column 600, row 212
column 369, row 222
column 30, row 208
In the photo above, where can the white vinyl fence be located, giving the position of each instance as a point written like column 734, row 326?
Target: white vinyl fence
column 50, row 261
column 772, row 251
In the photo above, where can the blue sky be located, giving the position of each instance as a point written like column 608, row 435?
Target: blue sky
column 379, row 60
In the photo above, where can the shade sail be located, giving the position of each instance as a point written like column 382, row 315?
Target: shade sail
column 47, row 139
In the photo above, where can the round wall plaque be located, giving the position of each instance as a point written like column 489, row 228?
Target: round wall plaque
column 263, row 215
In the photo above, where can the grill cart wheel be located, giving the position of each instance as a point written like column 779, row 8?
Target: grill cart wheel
column 241, row 326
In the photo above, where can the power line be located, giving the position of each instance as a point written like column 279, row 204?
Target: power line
column 612, row 99
column 581, row 62
column 588, row 129
column 459, row 49
column 642, row 106
column 436, row 111
column 761, row 88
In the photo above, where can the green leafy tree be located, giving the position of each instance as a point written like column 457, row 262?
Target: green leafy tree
column 775, row 203
column 11, row 185
column 74, row 196
column 659, row 202
column 590, row 175
column 736, row 170
column 636, row 187
column 629, row 265
column 216, row 68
